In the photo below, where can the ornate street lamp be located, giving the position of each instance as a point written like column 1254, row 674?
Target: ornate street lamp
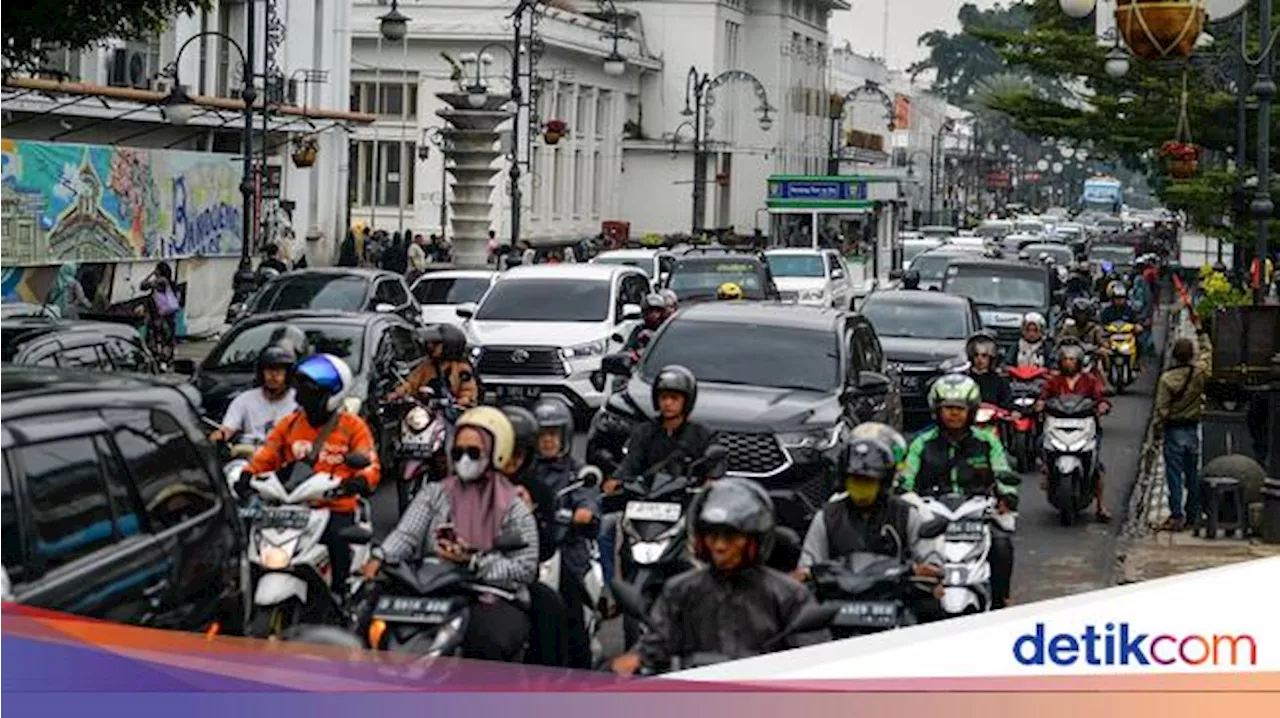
column 394, row 25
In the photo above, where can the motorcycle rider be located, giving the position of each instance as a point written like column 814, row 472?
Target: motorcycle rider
column 955, row 456
column 733, row 604
column 253, row 413
column 654, row 312
column 1118, row 310
column 459, row 519
column 911, row 279
column 555, row 468
column 994, row 387
column 729, row 291
column 1032, row 348
column 858, row 519
column 673, row 301
column 322, row 433
column 445, row 365
column 1069, row 379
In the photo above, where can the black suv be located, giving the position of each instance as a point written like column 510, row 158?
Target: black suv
column 72, row 343
column 699, row 272
column 114, row 503
column 779, row 383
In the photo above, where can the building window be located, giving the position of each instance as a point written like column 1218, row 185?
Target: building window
column 597, row 182
column 562, row 102
column 604, row 112
column 564, row 172
column 391, row 99
column 535, row 183
column 386, row 175
column 584, row 121
column 580, row 182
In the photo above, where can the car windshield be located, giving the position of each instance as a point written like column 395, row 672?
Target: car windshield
column 993, row 230
column 748, row 354
column 994, row 287
column 546, row 300
column 796, row 265
column 912, row 249
column 931, row 266
column 901, row 317
column 1029, row 227
column 703, row 277
column 1062, row 256
column 239, row 352
column 644, row 264
column 1116, row 254
column 450, row 290
column 937, row 231
column 334, row 292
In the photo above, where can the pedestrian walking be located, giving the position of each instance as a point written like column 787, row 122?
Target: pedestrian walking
column 1179, row 408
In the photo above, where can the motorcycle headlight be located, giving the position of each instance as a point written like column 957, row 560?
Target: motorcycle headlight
column 819, row 439
column 589, row 349
column 417, row 419
column 275, row 558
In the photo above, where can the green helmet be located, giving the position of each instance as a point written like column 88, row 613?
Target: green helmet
column 957, row 390
column 885, row 434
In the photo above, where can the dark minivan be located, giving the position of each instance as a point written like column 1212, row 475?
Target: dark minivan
column 1004, row 291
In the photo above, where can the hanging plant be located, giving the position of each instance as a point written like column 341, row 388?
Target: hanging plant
column 1180, row 155
column 305, row 150
column 1158, row 29
column 554, row 130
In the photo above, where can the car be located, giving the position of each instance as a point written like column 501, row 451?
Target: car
column 700, row 271
column 1061, row 253
column 1004, row 290
column 1121, row 256
column 819, row 277
column 67, row 343
column 115, row 506
column 340, row 289
column 919, row 330
column 543, row 329
column 11, row 310
column 994, row 229
column 780, row 384
column 381, row 350
column 932, row 264
column 440, row 293
column 656, row 263
column 914, row 247
column 1011, row 244
column 938, row 231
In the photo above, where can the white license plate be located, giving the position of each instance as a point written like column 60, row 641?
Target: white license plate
column 651, row 511
column 867, row 614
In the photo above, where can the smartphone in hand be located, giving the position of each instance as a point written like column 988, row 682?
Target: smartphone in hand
column 447, row 533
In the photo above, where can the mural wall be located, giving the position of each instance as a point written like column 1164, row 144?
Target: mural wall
column 92, row 203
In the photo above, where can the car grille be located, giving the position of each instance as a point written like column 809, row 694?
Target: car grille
column 520, row 361
column 752, row 453
column 1007, row 335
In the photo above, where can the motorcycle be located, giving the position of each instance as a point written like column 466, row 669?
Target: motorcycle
column 419, row 448
column 653, row 527
column 287, row 567
column 592, row 584
column 966, row 577
column 874, row 592
column 1122, row 340
column 1025, row 427
column 990, row 417
column 1071, row 454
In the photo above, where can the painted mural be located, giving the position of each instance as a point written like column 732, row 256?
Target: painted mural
column 93, row 203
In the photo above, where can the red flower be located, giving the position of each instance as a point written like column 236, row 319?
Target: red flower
column 556, row 127
column 1180, row 151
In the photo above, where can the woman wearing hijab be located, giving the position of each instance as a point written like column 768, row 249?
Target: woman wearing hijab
column 67, row 294
column 460, row 519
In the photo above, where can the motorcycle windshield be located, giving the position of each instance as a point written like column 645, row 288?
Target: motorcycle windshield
column 1070, row 406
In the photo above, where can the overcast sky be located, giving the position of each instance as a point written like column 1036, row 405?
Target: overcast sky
column 863, row 26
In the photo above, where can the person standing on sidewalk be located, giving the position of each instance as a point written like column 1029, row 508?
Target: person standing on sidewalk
column 1179, row 407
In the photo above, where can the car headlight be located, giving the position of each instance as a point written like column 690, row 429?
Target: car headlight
column 417, row 419
column 589, row 349
column 819, row 439
column 475, row 353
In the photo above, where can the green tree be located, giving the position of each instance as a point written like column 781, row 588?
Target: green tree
column 31, row 30
column 963, row 60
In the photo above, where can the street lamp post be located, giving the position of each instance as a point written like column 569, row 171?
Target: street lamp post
column 1262, row 208
column 835, row 110
column 478, row 97
column 699, row 91
column 435, row 136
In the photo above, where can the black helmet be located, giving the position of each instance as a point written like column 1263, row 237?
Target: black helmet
column 1081, row 307
column 911, row 279
column 276, row 356
column 525, row 427
column 451, row 338
column 674, row 377
column 871, row 458
column 553, row 414
column 739, row 505
column 292, row 338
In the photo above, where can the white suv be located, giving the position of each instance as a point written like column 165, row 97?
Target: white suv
column 818, row 277
column 542, row 330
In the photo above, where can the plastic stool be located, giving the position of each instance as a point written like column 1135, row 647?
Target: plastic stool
column 1222, row 505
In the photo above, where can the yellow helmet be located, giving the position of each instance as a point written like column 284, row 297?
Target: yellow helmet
column 730, row 291
column 496, row 424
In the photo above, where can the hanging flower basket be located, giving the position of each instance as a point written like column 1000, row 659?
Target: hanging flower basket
column 553, row 130
column 1157, row 29
column 305, row 150
column 1181, row 158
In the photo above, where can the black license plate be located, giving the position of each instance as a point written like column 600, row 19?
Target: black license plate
column 282, row 518
column 414, row 450
column 518, row 394
column 412, row 608
column 966, row 530
column 867, row 614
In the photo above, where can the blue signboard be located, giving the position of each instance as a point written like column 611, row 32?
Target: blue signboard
column 817, row 189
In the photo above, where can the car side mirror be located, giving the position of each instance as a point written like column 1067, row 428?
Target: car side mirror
column 837, row 273
column 630, row 312
column 357, row 461
column 618, row 364
column 466, row 310
column 384, row 308
column 185, row 367
column 933, row 528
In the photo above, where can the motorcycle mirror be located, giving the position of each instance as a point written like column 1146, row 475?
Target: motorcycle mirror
column 618, row 364
column 357, row 461
column 933, row 528
column 630, row 600
column 716, row 453
column 590, row 477
column 508, row 542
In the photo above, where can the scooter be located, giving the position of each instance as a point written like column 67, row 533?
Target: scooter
column 1122, row 340
column 419, row 449
column 592, row 584
column 288, row 569
column 966, row 546
column 1071, row 454
column 1025, row 427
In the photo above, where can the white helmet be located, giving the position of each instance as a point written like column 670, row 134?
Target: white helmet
column 329, row 374
column 1035, row 318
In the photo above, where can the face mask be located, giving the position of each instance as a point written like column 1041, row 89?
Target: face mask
column 469, row 469
column 862, row 492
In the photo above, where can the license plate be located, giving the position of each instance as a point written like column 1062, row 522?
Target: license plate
column 967, row 530
column 426, row 610
column 956, row 576
column 283, row 518
column 651, row 511
column 415, row 450
column 1120, row 338
column 518, row 394
column 870, row 614
column 911, row 383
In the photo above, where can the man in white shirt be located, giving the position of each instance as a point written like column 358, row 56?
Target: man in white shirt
column 253, row 413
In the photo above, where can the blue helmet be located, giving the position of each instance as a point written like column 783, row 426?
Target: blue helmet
column 326, row 377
